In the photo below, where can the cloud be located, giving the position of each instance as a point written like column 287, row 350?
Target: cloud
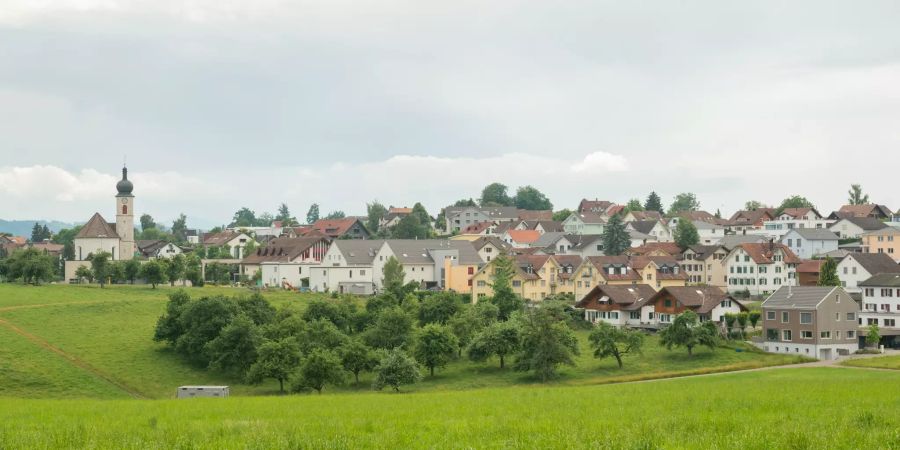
column 601, row 161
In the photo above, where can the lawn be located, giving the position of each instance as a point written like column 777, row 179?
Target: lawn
column 110, row 332
column 784, row 408
column 881, row 362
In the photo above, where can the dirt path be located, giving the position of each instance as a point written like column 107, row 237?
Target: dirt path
column 75, row 361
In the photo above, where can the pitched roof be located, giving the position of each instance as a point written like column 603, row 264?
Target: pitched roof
column 614, row 209
column 698, row 215
column 97, row 227
column 866, row 223
column 882, row 280
column 701, row 299
column 581, row 241
column 494, row 212
column 547, row 239
column 48, row 246
column 524, row 236
column 703, row 252
column 798, row 212
column 889, row 230
column 589, row 217
column 536, row 215
column 150, row 247
column 875, row 263
column 220, row 238
column 811, row 266
column 604, row 263
column 798, row 297
column 546, row 225
column 644, row 226
column 283, row 249
column 418, row 251
column 866, row 210
column 593, row 205
column 335, row 227
column 764, row 252
column 668, row 268
column 477, row 228
column 666, row 247
column 358, row 251
column 731, row 241
column 628, row 297
column 814, row 234
column 754, row 215
column 498, row 243
column 568, row 260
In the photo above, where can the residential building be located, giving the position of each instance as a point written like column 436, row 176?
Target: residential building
column 346, row 228
column 710, row 233
column 659, row 271
column 853, row 227
column 585, row 245
column 520, row 238
column 760, row 268
column 817, row 322
column 633, row 216
column 156, row 249
column 347, row 267
column 885, row 240
column 655, row 228
column 598, row 270
column 460, row 217
column 792, row 218
column 808, row 243
column 286, row 262
column 808, row 272
column 593, row 206
column 693, row 216
column 393, row 216
column 708, row 302
column 881, row 306
column 655, row 249
column 535, row 277
column 879, row 212
column 754, row 218
column 618, row 305
column 584, row 223
column 731, row 241
column 857, row 267
column 703, row 265
column 489, row 247
column 423, row 260
column 234, row 241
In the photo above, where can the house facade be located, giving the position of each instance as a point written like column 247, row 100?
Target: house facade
column 881, row 307
column 286, row 262
column 584, row 223
column 234, row 240
column 703, row 265
column 858, row 267
column 708, row 302
column 618, row 305
column 885, row 240
column 811, row 321
column 459, row 217
column 347, row 267
column 760, row 268
column 809, row 243
column 853, row 227
column 423, row 260
column 535, row 277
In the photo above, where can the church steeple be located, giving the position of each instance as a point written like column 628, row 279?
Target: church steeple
column 125, row 216
column 124, row 186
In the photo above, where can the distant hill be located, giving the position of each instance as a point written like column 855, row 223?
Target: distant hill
column 23, row 227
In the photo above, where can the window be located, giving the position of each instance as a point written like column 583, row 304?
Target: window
column 890, row 323
column 785, row 317
column 635, row 315
column 851, row 334
column 362, row 272
column 667, row 303
column 851, row 316
column 837, row 334
column 482, row 283
column 770, row 315
column 837, row 317
column 806, row 334
column 825, row 335
column 805, row 318
column 517, row 283
column 786, row 335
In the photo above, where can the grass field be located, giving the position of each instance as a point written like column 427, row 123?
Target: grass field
column 880, row 362
column 806, row 408
column 107, row 333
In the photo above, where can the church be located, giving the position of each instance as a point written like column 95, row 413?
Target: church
column 98, row 235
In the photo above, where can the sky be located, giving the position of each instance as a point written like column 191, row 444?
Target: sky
column 220, row 104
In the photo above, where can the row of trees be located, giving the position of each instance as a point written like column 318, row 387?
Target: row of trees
column 616, row 239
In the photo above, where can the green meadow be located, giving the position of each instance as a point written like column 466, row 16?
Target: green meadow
column 880, row 362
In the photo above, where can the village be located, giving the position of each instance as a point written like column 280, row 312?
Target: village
column 829, row 284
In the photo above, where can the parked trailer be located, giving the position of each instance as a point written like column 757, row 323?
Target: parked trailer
column 202, row 391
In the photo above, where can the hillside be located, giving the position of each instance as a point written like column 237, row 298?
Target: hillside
column 23, row 227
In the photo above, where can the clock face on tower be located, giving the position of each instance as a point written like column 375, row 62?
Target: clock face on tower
column 124, row 200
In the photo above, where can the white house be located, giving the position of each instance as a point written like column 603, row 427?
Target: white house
column 853, row 227
column 881, row 306
column 656, row 228
column 792, row 218
column 585, row 245
column 760, row 268
column 858, row 267
column 235, row 241
column 584, row 223
column 808, row 243
column 347, row 267
column 158, row 249
column 489, row 247
column 423, row 259
column 709, row 233
column 285, row 261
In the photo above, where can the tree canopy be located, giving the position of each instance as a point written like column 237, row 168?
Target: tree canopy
column 495, row 194
column 686, row 233
column 615, row 237
column 608, row 340
column 312, row 216
column 653, row 203
column 530, row 198
column 828, row 275
column 856, row 196
column 684, row 202
column 686, row 332
column 794, row 201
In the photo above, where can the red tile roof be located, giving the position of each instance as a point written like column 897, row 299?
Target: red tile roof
column 524, row 236
column 811, row 266
column 333, row 227
column 541, row 215
column 762, row 253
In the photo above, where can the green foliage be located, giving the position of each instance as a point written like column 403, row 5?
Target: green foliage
column 828, row 275
column 320, row 334
column 312, row 215
column 357, row 357
column 179, row 228
column 132, row 269
column 393, row 276
column 530, row 198
column 375, row 212
column 337, row 214
column 168, row 326
column 495, row 194
column 40, row 232
column 317, row 369
column 686, row 201
column 438, row 308
column 856, row 196
column 794, row 201
column 873, row 336
column 284, row 216
column 244, row 217
column 147, row 222
column 753, row 205
column 396, row 369
column 653, row 203
column 392, row 329
column 686, row 233
column 30, row 265
column 117, row 272
column 743, row 318
column 615, row 237
column 562, row 215
column 686, row 332
column 336, row 313
column 730, row 318
column 276, row 359
column 257, row 308
column 410, row 227
column 435, row 345
column 506, row 301
column 84, row 273
column 547, row 342
column 500, row 339
column 234, row 349
column 175, row 269
column 754, row 317
column 633, row 205
column 419, row 211
column 153, row 272
column 607, row 340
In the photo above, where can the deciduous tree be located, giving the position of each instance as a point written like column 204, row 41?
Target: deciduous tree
column 500, row 339
column 794, row 201
column 828, row 275
column 153, row 272
column 357, row 357
column 686, row 233
column 547, row 342
column 686, row 201
column 530, row 198
column 319, row 368
column 495, row 194
column 607, row 340
column 312, row 216
column 396, row 369
column 100, row 265
column 276, row 359
column 234, row 349
column 685, row 331
column 856, row 195
column 435, row 346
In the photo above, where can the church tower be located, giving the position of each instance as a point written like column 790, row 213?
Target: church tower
column 125, row 216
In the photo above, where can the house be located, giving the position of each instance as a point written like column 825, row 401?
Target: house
column 459, row 217
column 393, row 216
column 881, row 307
column 535, row 277
column 156, row 249
column 539, row 215
column 871, row 210
column 434, row 263
column 659, row 271
column 553, row 243
column 760, row 268
column 655, row 248
column 346, row 228
column 632, row 216
column 808, row 272
column 853, row 227
column 286, row 262
column 520, row 238
column 703, row 264
column 347, row 267
column 857, row 267
column 754, row 218
column 585, row 245
column 541, row 226
column 817, row 322
column 596, row 270
column 234, row 241
column 710, row 233
column 708, row 302
column 618, row 305
column 655, row 228
column 9, row 244
column 693, row 216
column 639, row 239
column 489, row 247
column 192, row 236
column 54, row 250
column 807, row 243
column 584, row 223
column 792, row 218
column 593, row 206
column 885, row 240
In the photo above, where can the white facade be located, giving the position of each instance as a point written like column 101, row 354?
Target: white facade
column 826, row 352
column 412, row 272
column 780, row 226
column 808, row 248
column 881, row 306
column 710, row 233
column 92, row 246
column 851, row 273
column 334, row 272
column 744, row 273
column 285, row 274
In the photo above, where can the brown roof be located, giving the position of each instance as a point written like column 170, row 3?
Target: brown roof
column 593, row 205
column 811, row 266
column 334, row 227
column 18, row 240
column 626, row 297
column 547, row 225
column 493, row 240
column 701, row 299
column 798, row 212
column 646, row 215
column 477, row 228
column 97, row 227
column 702, row 216
column 754, row 216
column 49, row 247
column 286, row 249
column 865, row 223
column 703, row 252
column 602, row 263
column 876, row 263
column 667, row 247
column 525, row 214
column 590, row 217
column 762, row 253
column 869, row 210
column 669, row 267
column 524, row 236
column 220, row 238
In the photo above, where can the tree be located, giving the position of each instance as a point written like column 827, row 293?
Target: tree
column 607, row 340
column 742, row 318
column 276, row 359
column 357, row 357
column 338, row 214
column 396, row 369
column 147, row 222
column 419, row 211
column 30, row 265
column 530, row 198
column 100, row 265
column 264, row 220
column 328, row 310
column 506, row 301
column 375, row 212
column 828, row 275
column 547, row 342
column 169, row 326
column 633, row 205
column 754, row 317
column 321, row 334
column 856, row 195
column 319, row 368
column 794, row 201
column 438, row 308
column 153, row 272
column 499, row 339
column 653, row 203
column 686, row 233
column 40, row 232
column 686, row 332
column 284, row 216
column 132, row 269
column 686, row 201
column 753, row 205
column 234, row 349
column 312, row 216
column 615, row 237
column 393, row 276
column 244, row 217
column 179, row 228
column 84, row 273
column 410, row 227
column 435, row 345
column 873, row 337
column 392, row 328
column 730, row 318
column 117, row 272
column 69, row 251
column 175, row 269
column 562, row 215
column 495, row 194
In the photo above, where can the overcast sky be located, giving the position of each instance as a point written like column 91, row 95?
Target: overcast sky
column 220, row 104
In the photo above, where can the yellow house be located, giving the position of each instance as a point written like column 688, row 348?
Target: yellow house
column 885, row 240
column 656, row 271
column 660, row 271
column 458, row 277
column 535, row 278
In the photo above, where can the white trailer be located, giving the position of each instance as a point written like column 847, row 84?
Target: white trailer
column 201, row 391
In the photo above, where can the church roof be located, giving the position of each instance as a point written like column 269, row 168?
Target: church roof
column 97, row 227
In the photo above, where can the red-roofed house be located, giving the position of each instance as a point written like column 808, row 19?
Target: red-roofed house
column 521, row 238
column 808, row 272
column 346, row 228
column 760, row 268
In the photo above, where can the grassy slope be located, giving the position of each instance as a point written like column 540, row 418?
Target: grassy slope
column 111, row 330
column 881, row 362
column 787, row 408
